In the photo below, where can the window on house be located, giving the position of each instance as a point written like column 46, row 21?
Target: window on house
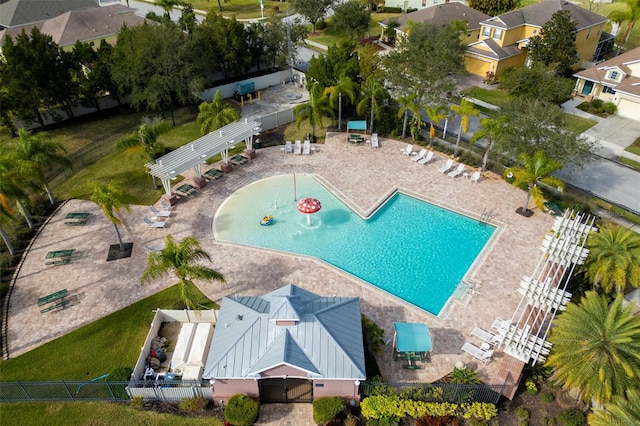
column 588, row 34
column 497, row 34
column 469, row 34
column 535, row 31
column 613, row 75
column 424, row 3
column 486, row 31
column 609, row 90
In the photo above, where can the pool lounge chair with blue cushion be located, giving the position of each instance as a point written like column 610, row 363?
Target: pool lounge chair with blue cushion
column 447, row 166
column 458, row 171
column 408, row 150
column 427, row 158
column 297, row 149
column 153, row 224
column 484, row 356
column 420, row 156
column 159, row 213
column 287, row 147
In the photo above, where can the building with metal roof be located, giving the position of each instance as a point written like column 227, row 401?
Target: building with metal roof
column 290, row 344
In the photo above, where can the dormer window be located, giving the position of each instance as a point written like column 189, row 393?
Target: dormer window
column 613, row 75
column 486, row 31
column 497, row 34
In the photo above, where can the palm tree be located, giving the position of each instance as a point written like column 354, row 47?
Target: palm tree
column 596, row 348
column 5, row 216
column 145, row 139
column 534, row 170
column 373, row 95
column 179, row 259
column 465, row 110
column 168, row 5
column 112, row 199
column 620, row 411
column 630, row 15
column 435, row 113
column 11, row 179
column 408, row 104
column 34, row 154
column 614, row 258
column 489, row 129
column 314, row 110
column 216, row 114
column 344, row 86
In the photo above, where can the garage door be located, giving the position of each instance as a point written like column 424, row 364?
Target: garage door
column 477, row 66
column 629, row 109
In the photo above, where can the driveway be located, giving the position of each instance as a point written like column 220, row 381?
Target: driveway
column 613, row 135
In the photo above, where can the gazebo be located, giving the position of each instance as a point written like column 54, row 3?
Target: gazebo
column 196, row 153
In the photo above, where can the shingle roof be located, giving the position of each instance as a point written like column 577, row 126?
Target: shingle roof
column 443, row 14
column 495, row 51
column 325, row 341
column 85, row 24
column 630, row 83
column 538, row 14
column 21, row 12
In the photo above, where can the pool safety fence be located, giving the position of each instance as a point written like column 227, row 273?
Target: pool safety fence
column 435, row 392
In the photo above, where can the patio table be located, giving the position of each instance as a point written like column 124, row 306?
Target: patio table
column 412, row 342
column 186, row 189
column 60, row 253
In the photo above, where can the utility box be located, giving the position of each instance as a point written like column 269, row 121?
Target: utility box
column 244, row 89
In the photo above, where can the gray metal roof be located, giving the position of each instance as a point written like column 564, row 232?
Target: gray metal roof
column 326, row 340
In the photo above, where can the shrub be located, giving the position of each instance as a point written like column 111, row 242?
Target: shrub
column 321, row 24
column 572, row 417
column 386, row 9
column 137, row 401
column 531, row 386
column 597, row 104
column 327, row 408
column 464, row 376
column 351, row 420
column 4, row 289
column 547, row 397
column 523, row 416
column 6, row 260
column 121, row 374
column 194, row 404
column 609, row 108
column 241, row 410
column 276, row 9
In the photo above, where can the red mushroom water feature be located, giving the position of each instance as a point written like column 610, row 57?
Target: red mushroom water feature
column 309, row 206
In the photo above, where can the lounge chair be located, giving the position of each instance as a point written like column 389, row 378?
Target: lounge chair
column 306, row 148
column 447, row 166
column 458, row 171
column 420, row 155
column 159, row 213
column 157, row 247
column 151, row 224
column 165, row 205
column 287, row 147
column 475, row 177
column 408, row 150
column 374, row 141
column 501, row 325
column 297, row 149
column 427, row 158
column 486, row 336
column 484, row 356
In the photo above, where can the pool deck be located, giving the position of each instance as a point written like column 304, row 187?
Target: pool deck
column 362, row 175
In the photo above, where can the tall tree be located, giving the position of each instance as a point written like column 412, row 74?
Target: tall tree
column 614, row 258
column 112, row 198
column 490, row 128
column 630, row 15
column 314, row 110
column 216, row 114
column 145, row 139
column 341, row 59
column 12, row 186
column 465, row 110
column 373, row 97
column 351, row 19
column 369, row 62
column 168, row 5
column 408, row 104
column 344, row 86
column 555, row 46
column 425, row 62
column 312, row 10
column 278, row 52
column 182, row 261
column 534, row 170
column 536, row 82
column 623, row 410
column 596, row 348
column 35, row 154
column 493, row 7
column 436, row 114
column 6, row 215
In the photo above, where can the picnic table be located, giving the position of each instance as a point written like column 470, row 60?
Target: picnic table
column 60, row 253
column 238, row 159
column 77, row 215
column 57, row 298
column 186, row 189
column 356, row 139
column 214, row 173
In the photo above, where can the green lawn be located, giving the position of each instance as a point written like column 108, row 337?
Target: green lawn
column 97, row 348
column 634, row 148
column 630, row 163
column 91, row 413
column 242, row 9
column 495, row 97
column 328, row 38
column 578, row 124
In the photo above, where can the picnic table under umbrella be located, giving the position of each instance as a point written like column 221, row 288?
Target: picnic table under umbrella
column 411, row 342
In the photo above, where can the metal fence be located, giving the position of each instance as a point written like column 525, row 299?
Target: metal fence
column 435, row 392
column 174, row 390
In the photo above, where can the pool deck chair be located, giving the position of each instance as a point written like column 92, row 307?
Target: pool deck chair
column 288, row 148
column 297, row 149
column 475, row 177
column 427, row 158
column 159, row 213
column 458, row 171
column 408, row 150
column 152, row 224
column 374, row 141
column 420, row 155
column 447, row 166
column 164, row 205
column 486, row 336
column 479, row 354
column 306, row 147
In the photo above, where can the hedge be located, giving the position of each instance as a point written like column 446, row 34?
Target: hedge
column 377, row 407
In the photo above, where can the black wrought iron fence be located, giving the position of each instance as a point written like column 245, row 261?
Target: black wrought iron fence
column 435, row 392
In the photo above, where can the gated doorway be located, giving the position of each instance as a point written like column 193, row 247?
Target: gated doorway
column 285, row 390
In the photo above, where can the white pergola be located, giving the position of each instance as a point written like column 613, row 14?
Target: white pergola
column 196, row 153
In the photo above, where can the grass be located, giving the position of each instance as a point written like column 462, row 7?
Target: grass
column 577, row 124
column 292, row 132
column 329, row 38
column 631, row 163
column 97, row 348
column 634, row 148
column 241, row 9
column 92, row 413
column 497, row 97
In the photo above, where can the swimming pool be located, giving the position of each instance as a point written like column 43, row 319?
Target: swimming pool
column 412, row 249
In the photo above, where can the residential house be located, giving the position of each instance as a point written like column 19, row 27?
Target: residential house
column 90, row 24
column 616, row 80
column 418, row 4
column 288, row 345
column 16, row 13
column 504, row 39
column 441, row 15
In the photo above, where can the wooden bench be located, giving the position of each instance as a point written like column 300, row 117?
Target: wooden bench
column 58, row 304
column 49, row 298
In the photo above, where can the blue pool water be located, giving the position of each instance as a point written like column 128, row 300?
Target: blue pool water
column 411, row 249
